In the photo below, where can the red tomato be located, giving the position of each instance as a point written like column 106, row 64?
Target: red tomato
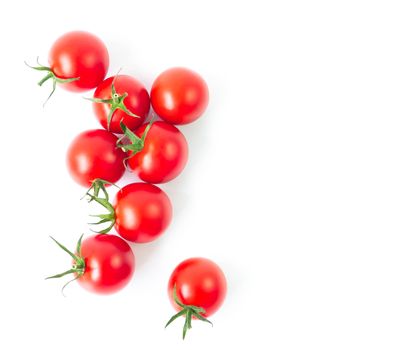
column 164, row 155
column 179, row 95
column 109, row 263
column 79, row 55
column 102, row 263
column 135, row 101
column 199, row 282
column 93, row 154
column 142, row 212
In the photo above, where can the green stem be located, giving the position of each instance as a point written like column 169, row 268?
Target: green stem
column 188, row 311
column 78, row 267
column 50, row 75
column 97, row 186
column 116, row 101
column 135, row 144
column 62, row 274
column 42, row 81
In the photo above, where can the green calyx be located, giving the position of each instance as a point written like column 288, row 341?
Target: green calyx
column 50, row 75
column 116, row 102
column 92, row 194
column 133, row 143
column 78, row 266
column 188, row 311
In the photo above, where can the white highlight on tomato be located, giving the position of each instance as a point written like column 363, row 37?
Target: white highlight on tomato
column 171, row 151
column 132, row 218
column 147, row 161
column 83, row 163
column 153, row 210
column 116, row 261
column 168, row 101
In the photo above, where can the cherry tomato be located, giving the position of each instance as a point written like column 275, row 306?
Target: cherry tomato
column 164, row 155
column 130, row 105
column 142, row 212
column 109, row 263
column 199, row 282
column 102, row 263
column 79, row 55
column 179, row 95
column 93, row 154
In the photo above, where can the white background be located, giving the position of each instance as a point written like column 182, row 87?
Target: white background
column 298, row 181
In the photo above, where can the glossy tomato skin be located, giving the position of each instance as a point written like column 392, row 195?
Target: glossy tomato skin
column 142, row 211
column 137, row 102
column 109, row 263
column 164, row 155
column 179, row 95
column 93, row 154
column 79, row 54
column 198, row 282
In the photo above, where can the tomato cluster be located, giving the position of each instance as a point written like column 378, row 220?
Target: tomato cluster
column 156, row 151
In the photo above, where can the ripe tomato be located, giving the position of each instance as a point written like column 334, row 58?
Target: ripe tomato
column 129, row 103
column 179, row 95
column 79, row 55
column 142, row 212
column 163, row 156
column 109, row 263
column 102, row 263
column 197, row 289
column 93, row 154
column 199, row 282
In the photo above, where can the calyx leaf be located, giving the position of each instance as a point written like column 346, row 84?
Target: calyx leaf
column 78, row 266
column 93, row 195
column 116, row 101
column 188, row 311
column 135, row 144
column 50, row 75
